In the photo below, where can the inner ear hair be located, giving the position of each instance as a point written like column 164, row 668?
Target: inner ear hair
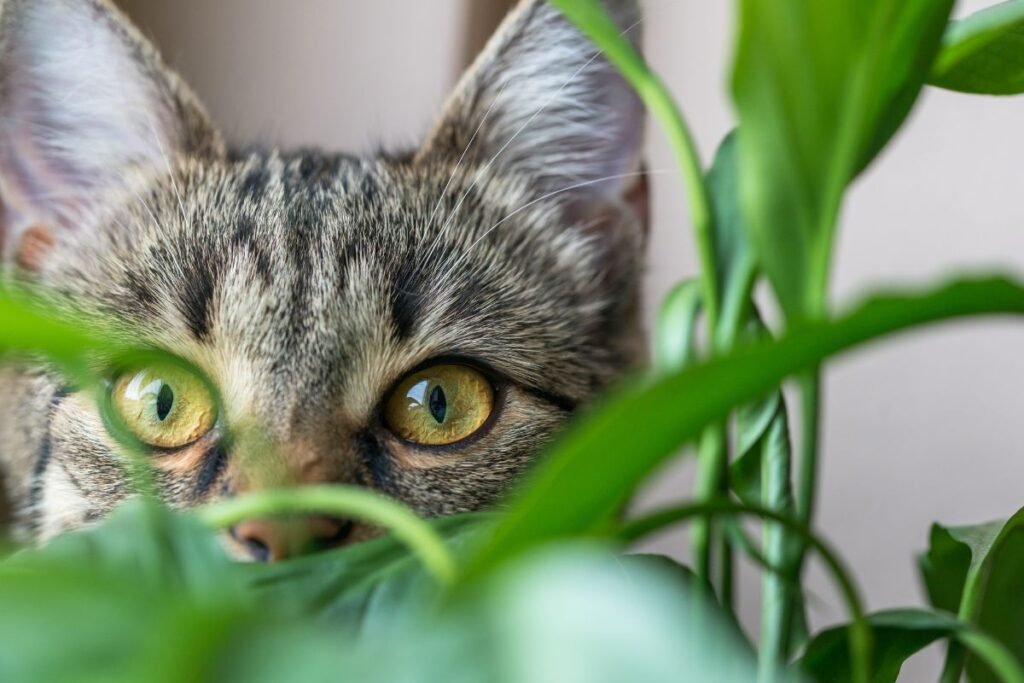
column 32, row 246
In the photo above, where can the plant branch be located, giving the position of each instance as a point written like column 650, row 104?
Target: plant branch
column 860, row 632
column 348, row 501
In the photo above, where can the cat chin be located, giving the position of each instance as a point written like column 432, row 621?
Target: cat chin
column 62, row 507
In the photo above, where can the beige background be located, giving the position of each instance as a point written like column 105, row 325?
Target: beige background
column 919, row 429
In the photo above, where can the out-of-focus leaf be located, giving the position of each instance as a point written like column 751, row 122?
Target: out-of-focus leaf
column 600, row 462
column 371, row 586
column 819, row 87
column 977, row 570
column 149, row 542
column 984, row 53
column 150, row 595
column 569, row 615
column 26, row 329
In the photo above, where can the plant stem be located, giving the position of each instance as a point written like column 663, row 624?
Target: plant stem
column 809, row 384
column 1000, row 660
column 595, row 22
column 712, row 465
column 777, row 594
column 860, row 634
column 956, row 654
column 348, row 501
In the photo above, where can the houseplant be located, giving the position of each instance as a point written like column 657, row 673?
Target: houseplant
column 541, row 590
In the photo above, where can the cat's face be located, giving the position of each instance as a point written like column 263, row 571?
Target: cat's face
column 419, row 324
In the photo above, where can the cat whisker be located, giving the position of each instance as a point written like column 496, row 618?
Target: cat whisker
column 458, row 164
column 170, row 172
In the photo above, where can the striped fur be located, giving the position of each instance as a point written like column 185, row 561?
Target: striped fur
column 305, row 284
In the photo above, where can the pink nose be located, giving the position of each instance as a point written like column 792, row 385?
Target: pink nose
column 272, row 540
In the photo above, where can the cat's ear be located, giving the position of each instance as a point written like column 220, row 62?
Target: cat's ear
column 543, row 101
column 85, row 102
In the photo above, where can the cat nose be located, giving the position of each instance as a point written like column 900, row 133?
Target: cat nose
column 273, row 540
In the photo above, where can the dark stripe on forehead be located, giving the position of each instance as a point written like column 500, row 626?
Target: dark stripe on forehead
column 300, row 238
column 405, row 300
column 254, row 183
column 244, row 238
column 310, row 169
column 368, row 186
column 203, row 267
column 138, row 294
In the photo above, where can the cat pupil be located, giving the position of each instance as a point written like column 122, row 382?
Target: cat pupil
column 438, row 404
column 164, row 402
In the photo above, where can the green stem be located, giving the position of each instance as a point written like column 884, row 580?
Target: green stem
column 711, row 465
column 993, row 653
column 860, row 633
column 726, row 575
column 778, row 598
column 956, row 653
column 809, row 383
column 347, row 501
column 596, row 23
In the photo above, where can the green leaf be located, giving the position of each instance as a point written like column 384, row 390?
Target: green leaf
column 147, row 541
column 984, row 53
column 734, row 258
column 951, row 554
column 819, row 88
column 976, row 570
column 675, row 342
column 28, row 329
column 599, row 462
column 898, row 635
column 372, row 585
column 575, row 613
column 150, row 595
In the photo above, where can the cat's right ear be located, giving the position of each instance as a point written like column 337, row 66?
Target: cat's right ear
column 85, row 102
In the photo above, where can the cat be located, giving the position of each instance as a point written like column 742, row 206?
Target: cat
column 420, row 323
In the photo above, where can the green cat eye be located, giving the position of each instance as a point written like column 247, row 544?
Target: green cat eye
column 164, row 405
column 439, row 405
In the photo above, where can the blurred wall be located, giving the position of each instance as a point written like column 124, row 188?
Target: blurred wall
column 918, row 429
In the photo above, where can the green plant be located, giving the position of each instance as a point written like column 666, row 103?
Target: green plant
column 541, row 590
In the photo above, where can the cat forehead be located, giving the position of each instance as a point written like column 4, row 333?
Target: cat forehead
column 329, row 267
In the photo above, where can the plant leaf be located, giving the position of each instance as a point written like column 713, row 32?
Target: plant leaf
column 675, row 343
column 898, row 635
column 984, row 53
column 819, row 88
column 734, row 257
column 575, row 613
column 599, row 462
column 976, row 570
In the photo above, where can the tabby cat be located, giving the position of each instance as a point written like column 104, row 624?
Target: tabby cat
column 418, row 323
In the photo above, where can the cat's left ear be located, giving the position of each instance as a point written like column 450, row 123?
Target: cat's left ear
column 85, row 102
column 542, row 102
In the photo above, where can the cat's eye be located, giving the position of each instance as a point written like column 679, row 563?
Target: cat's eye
column 164, row 405
column 439, row 405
